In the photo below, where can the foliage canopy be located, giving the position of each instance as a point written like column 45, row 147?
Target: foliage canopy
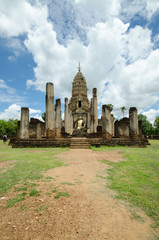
column 8, row 127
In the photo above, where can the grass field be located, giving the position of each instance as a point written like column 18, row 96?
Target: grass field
column 25, row 164
column 137, row 178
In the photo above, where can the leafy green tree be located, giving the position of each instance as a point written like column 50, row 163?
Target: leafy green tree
column 43, row 115
column 156, row 123
column 123, row 110
column 8, row 127
column 111, row 106
column 147, row 128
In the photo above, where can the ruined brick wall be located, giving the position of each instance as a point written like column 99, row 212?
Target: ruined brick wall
column 122, row 128
column 36, row 128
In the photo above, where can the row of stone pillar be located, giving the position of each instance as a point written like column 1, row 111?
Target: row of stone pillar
column 52, row 121
column 107, row 121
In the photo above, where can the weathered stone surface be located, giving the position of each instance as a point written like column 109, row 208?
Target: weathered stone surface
column 88, row 122
column 112, row 125
column 133, row 117
column 91, row 116
column 36, row 128
column 106, row 121
column 67, row 124
column 18, row 129
column 58, row 114
column 140, row 128
column 24, row 124
column 65, row 142
column 49, row 119
column 95, row 111
column 79, row 101
column 122, row 128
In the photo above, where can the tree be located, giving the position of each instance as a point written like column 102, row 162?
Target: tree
column 123, row 109
column 156, row 122
column 8, row 127
column 111, row 106
column 43, row 115
column 147, row 128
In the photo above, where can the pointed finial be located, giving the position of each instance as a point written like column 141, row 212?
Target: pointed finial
column 79, row 68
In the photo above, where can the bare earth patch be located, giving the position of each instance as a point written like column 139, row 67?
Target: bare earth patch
column 89, row 213
column 4, row 166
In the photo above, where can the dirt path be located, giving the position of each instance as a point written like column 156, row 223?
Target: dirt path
column 89, row 213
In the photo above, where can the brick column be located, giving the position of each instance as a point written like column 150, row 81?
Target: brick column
column 106, row 120
column 112, row 125
column 58, row 118
column 140, row 128
column 91, row 116
column 38, row 130
column 95, row 111
column 49, row 121
column 88, row 122
column 71, row 122
column 133, row 117
column 24, row 124
column 66, row 116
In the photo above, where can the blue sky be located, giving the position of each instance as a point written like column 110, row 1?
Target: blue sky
column 116, row 42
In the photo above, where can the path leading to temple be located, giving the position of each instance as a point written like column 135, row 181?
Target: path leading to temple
column 90, row 212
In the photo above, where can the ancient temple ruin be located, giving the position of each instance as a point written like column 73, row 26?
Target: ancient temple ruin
column 81, row 127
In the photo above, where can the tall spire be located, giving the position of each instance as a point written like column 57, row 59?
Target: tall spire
column 79, row 67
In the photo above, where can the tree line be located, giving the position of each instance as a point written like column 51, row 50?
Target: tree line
column 10, row 127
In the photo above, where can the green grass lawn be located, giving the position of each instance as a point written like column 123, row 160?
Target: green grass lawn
column 25, row 165
column 137, row 178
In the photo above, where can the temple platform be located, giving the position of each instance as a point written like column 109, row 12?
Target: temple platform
column 76, row 142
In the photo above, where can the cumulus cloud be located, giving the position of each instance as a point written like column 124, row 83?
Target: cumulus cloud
column 151, row 114
column 143, row 8
column 101, row 8
column 139, row 43
column 14, row 112
column 19, row 16
column 33, row 111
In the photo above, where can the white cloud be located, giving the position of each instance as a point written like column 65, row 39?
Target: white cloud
column 144, row 8
column 152, row 6
column 19, row 16
column 101, row 8
column 12, row 112
column 33, row 111
column 151, row 114
column 139, row 43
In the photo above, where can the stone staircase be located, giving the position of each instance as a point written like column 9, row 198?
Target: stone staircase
column 80, row 143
